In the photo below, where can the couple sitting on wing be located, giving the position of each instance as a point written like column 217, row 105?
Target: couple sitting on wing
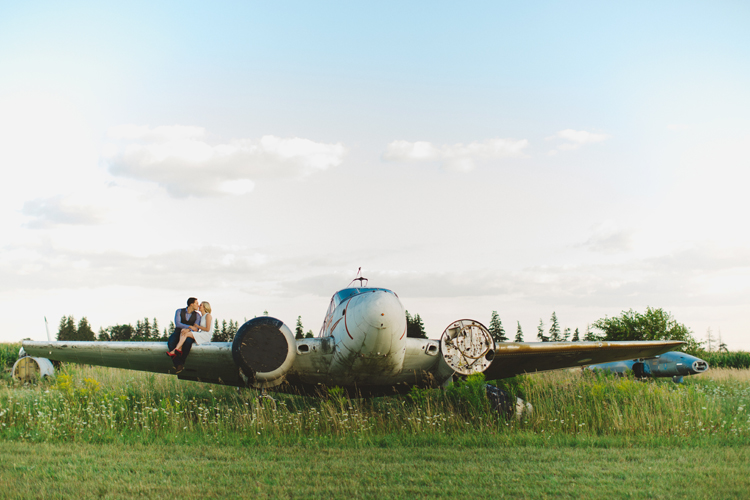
column 192, row 325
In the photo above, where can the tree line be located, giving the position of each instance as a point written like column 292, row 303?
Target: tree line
column 143, row 331
column 654, row 324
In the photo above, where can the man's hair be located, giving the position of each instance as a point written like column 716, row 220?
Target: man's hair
column 191, row 300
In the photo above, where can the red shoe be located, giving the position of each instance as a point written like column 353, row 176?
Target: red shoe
column 178, row 352
column 171, row 354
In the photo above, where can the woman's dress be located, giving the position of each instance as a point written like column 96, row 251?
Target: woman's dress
column 203, row 337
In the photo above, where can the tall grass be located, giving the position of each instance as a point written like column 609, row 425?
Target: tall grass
column 104, row 404
column 571, row 402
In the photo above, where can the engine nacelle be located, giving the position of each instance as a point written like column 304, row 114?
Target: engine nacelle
column 27, row 368
column 264, row 349
column 467, row 347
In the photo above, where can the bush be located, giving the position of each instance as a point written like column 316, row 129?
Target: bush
column 736, row 359
column 8, row 355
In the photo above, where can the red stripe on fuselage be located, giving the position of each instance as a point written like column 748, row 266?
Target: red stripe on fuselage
column 346, row 326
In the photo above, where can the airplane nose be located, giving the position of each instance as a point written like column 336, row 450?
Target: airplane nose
column 699, row 366
column 381, row 310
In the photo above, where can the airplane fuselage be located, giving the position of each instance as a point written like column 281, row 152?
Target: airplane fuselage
column 364, row 335
column 673, row 364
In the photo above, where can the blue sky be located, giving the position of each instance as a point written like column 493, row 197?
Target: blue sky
column 580, row 157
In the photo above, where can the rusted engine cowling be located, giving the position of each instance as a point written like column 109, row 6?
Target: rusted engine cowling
column 264, row 349
column 467, row 347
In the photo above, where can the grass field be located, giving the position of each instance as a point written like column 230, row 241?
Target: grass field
column 500, row 469
column 113, row 433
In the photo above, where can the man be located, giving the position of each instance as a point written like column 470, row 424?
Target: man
column 183, row 318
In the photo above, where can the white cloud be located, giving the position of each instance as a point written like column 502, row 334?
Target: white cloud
column 53, row 211
column 181, row 160
column 456, row 157
column 574, row 139
column 54, row 267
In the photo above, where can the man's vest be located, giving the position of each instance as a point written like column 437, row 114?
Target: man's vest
column 185, row 320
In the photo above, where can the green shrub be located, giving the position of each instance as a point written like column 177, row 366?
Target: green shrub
column 8, row 355
column 734, row 359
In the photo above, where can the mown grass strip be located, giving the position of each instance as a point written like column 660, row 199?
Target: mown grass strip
column 64, row 470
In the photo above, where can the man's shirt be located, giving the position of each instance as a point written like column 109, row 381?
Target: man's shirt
column 178, row 318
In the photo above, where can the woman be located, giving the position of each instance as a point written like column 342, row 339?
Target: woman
column 202, row 334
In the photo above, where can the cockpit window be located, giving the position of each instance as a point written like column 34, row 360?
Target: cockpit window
column 344, row 294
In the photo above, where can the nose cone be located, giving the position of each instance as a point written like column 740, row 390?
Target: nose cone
column 699, row 366
column 381, row 310
column 690, row 365
column 373, row 341
column 376, row 321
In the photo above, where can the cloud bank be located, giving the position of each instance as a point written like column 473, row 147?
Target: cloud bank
column 182, row 160
column 457, row 157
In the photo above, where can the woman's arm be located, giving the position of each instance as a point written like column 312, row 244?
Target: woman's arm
column 208, row 322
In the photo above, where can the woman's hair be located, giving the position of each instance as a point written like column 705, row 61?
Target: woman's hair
column 206, row 306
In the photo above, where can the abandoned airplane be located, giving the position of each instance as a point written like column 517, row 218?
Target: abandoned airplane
column 671, row 364
column 362, row 347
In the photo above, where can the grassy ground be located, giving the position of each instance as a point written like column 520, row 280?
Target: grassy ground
column 541, row 470
column 114, row 433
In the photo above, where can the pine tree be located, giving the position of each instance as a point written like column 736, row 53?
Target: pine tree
column 419, row 332
column 496, row 328
column 415, row 327
column 216, row 336
column 309, row 334
column 589, row 336
column 575, row 336
column 67, row 329
column 540, row 332
column 232, row 330
column 155, row 330
column 142, row 330
column 519, row 333
column 566, row 334
column 103, row 335
column 554, row 329
column 84, row 331
column 121, row 332
column 299, row 332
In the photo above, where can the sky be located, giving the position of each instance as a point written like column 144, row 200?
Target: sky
column 582, row 158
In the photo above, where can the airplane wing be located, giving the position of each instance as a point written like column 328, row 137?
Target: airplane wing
column 208, row 363
column 515, row 358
